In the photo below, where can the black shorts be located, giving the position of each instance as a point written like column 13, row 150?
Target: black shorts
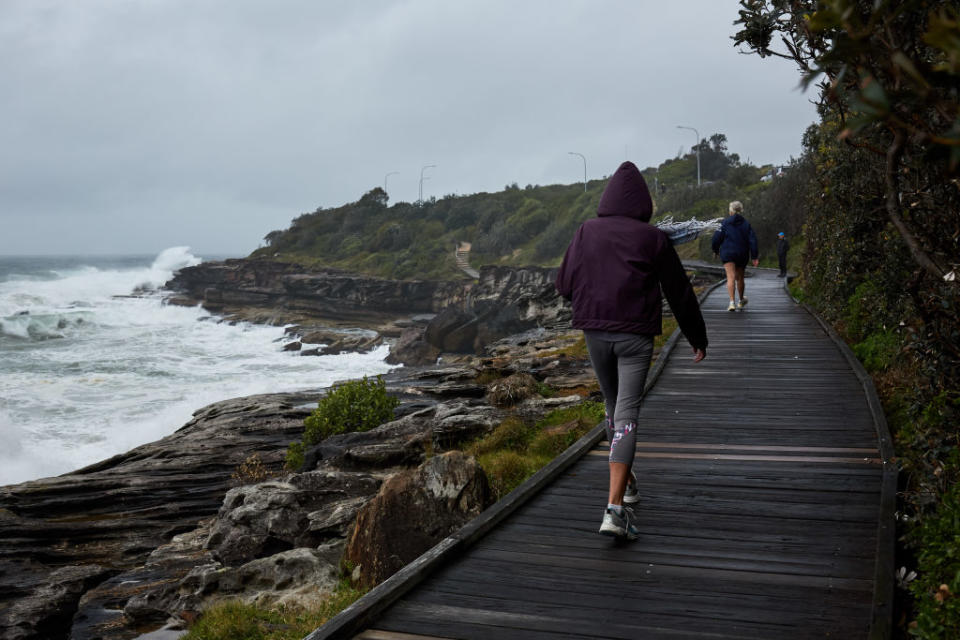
column 739, row 262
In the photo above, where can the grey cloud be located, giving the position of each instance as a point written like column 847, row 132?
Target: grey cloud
column 212, row 123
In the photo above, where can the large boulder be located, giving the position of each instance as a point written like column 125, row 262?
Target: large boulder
column 413, row 511
column 412, row 348
column 260, row 520
column 453, row 330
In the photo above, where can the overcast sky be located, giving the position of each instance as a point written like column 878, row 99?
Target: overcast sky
column 128, row 126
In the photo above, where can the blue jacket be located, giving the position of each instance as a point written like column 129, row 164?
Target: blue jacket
column 735, row 241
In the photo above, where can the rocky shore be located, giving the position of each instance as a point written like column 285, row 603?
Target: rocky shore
column 426, row 318
column 145, row 540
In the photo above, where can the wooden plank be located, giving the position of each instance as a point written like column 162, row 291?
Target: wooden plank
column 380, row 634
column 714, row 609
column 477, row 623
column 754, row 458
column 722, row 447
column 548, row 578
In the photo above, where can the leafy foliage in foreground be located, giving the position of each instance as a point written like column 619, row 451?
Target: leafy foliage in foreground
column 357, row 405
column 883, row 239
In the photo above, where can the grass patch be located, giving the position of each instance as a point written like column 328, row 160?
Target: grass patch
column 487, row 376
column 575, row 351
column 669, row 326
column 235, row 620
column 515, row 450
column 546, row 391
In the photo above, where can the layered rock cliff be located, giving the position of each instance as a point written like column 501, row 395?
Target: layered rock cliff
column 281, row 293
column 461, row 316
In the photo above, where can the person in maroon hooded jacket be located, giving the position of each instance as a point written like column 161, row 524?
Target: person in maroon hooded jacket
column 613, row 272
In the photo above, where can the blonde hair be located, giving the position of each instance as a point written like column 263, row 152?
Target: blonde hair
column 736, row 207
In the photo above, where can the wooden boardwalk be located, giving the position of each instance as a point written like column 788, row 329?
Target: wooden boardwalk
column 760, row 477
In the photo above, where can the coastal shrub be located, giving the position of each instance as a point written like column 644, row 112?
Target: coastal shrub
column 357, row 405
column 878, row 350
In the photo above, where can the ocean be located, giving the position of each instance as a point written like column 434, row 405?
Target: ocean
column 88, row 371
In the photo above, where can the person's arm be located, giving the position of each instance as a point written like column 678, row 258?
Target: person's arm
column 682, row 298
column 754, row 252
column 564, row 280
column 717, row 240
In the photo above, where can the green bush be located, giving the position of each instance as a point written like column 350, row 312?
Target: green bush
column 357, row 405
column 878, row 350
column 938, row 565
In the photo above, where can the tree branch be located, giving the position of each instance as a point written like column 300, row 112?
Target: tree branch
column 894, row 153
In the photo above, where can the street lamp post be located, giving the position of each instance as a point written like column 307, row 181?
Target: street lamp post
column 392, row 173
column 424, row 168
column 574, row 153
column 697, row 133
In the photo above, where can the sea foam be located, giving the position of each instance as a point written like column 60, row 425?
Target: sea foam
column 90, row 371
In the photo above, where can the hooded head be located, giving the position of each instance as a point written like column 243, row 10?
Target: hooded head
column 626, row 195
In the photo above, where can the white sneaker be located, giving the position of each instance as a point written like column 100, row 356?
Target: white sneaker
column 619, row 526
column 743, row 303
column 732, row 306
column 632, row 494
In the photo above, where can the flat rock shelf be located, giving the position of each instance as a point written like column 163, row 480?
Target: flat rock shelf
column 765, row 512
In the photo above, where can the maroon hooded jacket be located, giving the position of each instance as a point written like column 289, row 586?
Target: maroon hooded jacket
column 617, row 263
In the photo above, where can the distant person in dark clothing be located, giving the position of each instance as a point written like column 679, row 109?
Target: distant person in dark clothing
column 613, row 273
column 735, row 243
column 783, row 245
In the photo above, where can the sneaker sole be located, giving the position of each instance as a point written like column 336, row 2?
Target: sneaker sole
column 635, row 498
column 614, row 532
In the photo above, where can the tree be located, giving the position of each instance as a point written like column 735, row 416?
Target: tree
column 715, row 162
column 376, row 198
column 272, row 237
column 889, row 71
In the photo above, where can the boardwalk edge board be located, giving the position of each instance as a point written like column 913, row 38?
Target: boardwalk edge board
column 881, row 624
column 351, row 620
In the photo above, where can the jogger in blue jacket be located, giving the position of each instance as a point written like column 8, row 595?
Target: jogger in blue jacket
column 735, row 243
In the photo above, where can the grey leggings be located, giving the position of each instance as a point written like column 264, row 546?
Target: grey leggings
column 621, row 362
